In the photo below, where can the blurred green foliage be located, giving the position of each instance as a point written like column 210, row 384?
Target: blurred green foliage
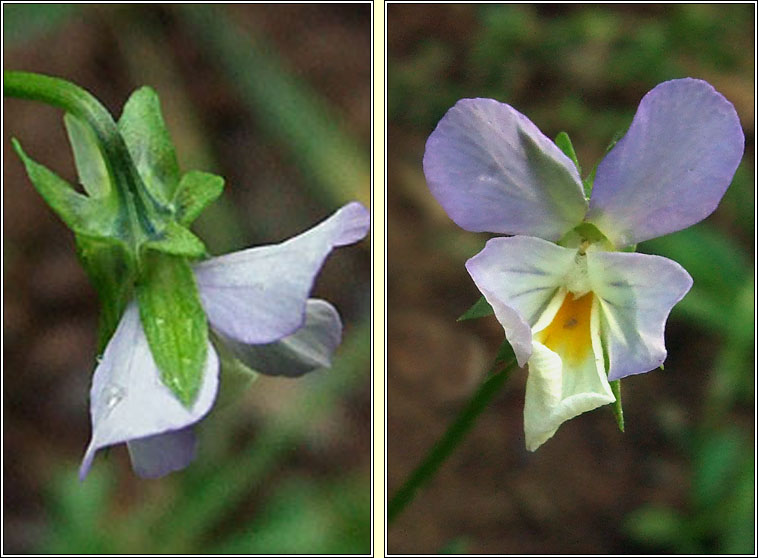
column 583, row 69
column 243, row 494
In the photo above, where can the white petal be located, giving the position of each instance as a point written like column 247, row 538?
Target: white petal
column 518, row 276
column 128, row 400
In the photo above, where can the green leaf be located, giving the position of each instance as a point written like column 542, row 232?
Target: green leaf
column 87, row 216
column 480, row 309
column 174, row 322
column 149, row 143
column 90, row 164
column 563, row 141
column 617, row 410
column 111, row 270
column 196, row 190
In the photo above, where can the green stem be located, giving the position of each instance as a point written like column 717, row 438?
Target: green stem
column 80, row 103
column 449, row 441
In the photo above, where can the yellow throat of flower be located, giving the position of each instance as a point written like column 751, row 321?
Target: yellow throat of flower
column 569, row 333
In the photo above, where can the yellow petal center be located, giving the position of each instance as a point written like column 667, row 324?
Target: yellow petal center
column 568, row 334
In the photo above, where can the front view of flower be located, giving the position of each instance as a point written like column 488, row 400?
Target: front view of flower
column 576, row 304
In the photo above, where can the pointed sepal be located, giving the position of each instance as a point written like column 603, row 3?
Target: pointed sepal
column 174, row 322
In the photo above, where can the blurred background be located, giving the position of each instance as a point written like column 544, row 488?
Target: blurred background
column 277, row 100
column 681, row 478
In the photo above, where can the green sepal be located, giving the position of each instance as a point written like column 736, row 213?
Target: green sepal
column 480, row 309
column 195, row 192
column 588, row 182
column 235, row 375
column 90, row 164
column 618, row 412
column 174, row 322
column 176, row 240
column 585, row 232
column 96, row 217
column 111, row 270
column 563, row 141
column 149, row 143
column 505, row 354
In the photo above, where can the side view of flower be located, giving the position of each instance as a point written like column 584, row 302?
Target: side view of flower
column 173, row 319
column 577, row 306
column 257, row 303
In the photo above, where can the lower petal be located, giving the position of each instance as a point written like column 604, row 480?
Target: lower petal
column 156, row 456
column 561, row 386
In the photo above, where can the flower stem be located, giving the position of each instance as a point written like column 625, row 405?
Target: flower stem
column 455, row 433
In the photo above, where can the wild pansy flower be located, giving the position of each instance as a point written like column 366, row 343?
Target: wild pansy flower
column 576, row 305
column 172, row 318
column 257, row 303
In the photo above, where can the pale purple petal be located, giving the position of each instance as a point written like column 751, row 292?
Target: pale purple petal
column 518, row 276
column 492, row 170
column 309, row 348
column 159, row 455
column 259, row 295
column 128, row 400
column 636, row 294
column 672, row 167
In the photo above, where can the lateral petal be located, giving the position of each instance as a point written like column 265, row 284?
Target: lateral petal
column 672, row 167
column 129, row 401
column 259, row 295
column 636, row 294
column 307, row 349
column 519, row 276
column 492, row 170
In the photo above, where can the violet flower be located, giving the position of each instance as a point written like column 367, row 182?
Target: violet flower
column 257, row 302
column 575, row 309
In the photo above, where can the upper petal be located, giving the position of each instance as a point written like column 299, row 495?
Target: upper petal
column 259, row 295
column 492, row 170
column 672, row 167
column 636, row 293
column 128, row 400
column 309, row 348
column 518, row 276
